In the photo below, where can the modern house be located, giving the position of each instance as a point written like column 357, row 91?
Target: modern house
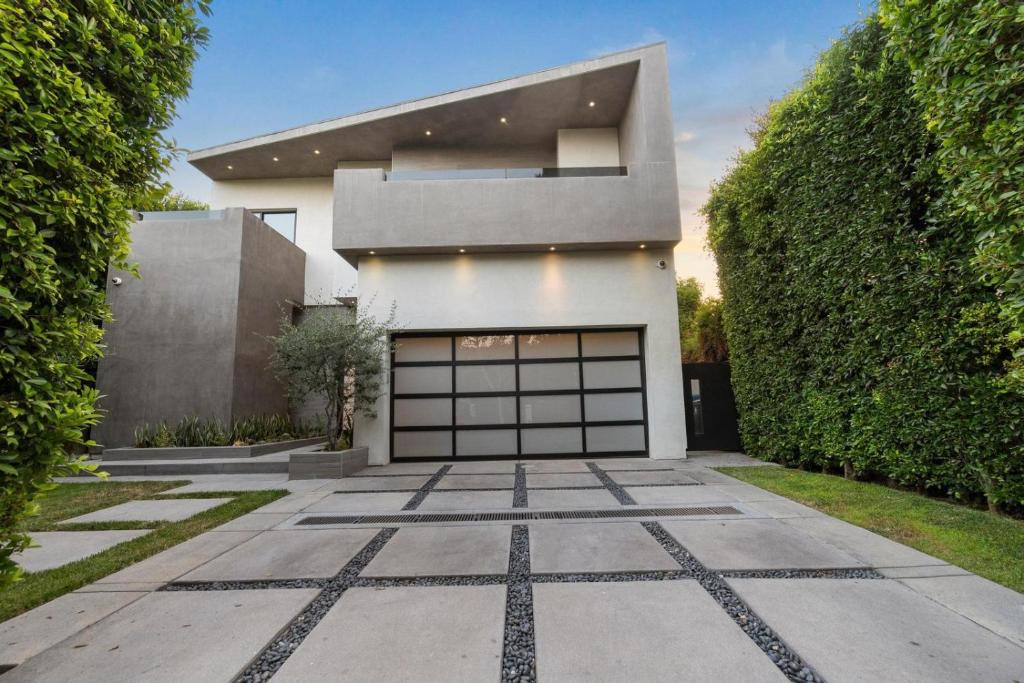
column 524, row 229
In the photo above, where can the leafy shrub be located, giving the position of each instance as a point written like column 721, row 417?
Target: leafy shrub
column 193, row 432
column 860, row 334
column 85, row 89
column 967, row 66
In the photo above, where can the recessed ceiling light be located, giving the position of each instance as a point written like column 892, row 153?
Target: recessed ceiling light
column 275, row 159
column 643, row 246
column 592, row 103
column 503, row 119
column 316, row 151
column 427, row 132
column 230, row 167
column 462, row 251
column 551, row 248
column 372, row 252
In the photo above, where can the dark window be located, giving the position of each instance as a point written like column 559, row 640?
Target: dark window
column 282, row 220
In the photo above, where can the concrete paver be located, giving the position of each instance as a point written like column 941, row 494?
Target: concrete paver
column 596, row 547
column 400, row 468
column 552, row 466
column 202, row 636
column 641, row 631
column 436, row 633
column 874, row 630
column 484, row 467
column 171, row 563
column 586, row 498
column 57, row 548
column 360, row 502
column 286, row 554
column 255, row 521
column 170, row 510
column 866, row 546
column 561, row 479
column 30, row 633
column 413, row 481
column 476, row 481
column 755, row 544
column 443, row 551
column 466, row 500
column 995, row 607
column 666, row 478
column 678, row 495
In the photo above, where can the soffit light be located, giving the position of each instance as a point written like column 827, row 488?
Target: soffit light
column 592, row 103
column 503, row 120
column 643, row 246
column 427, row 133
column 551, row 248
column 316, row 151
column 230, row 167
column 372, row 252
column 462, row 251
column 276, row 159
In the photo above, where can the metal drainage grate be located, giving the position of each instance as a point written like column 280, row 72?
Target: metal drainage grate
column 515, row 516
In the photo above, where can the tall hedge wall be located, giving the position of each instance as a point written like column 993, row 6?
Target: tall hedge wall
column 86, row 87
column 860, row 334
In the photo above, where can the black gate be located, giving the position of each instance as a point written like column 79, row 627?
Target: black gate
column 711, row 419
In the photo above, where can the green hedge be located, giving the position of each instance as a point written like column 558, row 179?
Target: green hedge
column 86, row 86
column 860, row 333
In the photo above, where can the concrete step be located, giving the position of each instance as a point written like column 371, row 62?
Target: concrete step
column 273, row 464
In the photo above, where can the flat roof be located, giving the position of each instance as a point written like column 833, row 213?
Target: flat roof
column 534, row 107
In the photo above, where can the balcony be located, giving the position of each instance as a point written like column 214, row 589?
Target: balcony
column 522, row 209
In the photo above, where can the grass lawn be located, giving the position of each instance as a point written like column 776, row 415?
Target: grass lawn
column 987, row 544
column 71, row 500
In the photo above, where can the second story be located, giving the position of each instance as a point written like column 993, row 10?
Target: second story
column 575, row 157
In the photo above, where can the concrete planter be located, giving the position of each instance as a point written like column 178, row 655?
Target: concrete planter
column 202, row 452
column 327, row 464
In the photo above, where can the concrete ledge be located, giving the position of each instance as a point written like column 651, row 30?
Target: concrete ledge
column 200, row 452
column 327, row 464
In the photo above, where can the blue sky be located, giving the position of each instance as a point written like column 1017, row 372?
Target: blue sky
column 277, row 64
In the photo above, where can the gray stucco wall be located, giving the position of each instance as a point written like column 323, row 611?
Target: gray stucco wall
column 183, row 340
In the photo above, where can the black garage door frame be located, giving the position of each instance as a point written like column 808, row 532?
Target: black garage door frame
column 519, row 425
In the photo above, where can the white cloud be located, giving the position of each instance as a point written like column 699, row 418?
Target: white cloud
column 685, row 136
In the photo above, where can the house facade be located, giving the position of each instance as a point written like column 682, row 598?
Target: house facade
column 523, row 229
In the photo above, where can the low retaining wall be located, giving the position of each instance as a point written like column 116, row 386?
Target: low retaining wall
column 201, row 452
column 327, row 464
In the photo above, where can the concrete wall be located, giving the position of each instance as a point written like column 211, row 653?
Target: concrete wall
column 504, row 291
column 446, row 158
column 327, row 274
column 587, row 147
column 181, row 342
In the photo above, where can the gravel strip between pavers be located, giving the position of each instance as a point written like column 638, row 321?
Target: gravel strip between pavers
column 613, row 488
column 519, row 653
column 248, row 585
column 426, row 581
column 787, row 660
column 418, row 499
column 273, row 656
column 520, row 497
column 851, row 573
column 611, row 577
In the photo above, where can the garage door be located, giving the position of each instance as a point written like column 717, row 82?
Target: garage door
column 536, row 393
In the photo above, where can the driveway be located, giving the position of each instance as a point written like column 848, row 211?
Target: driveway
column 571, row 570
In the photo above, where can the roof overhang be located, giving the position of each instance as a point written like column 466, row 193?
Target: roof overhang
column 535, row 107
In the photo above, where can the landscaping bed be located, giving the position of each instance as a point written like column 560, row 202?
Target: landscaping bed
column 982, row 542
column 202, row 452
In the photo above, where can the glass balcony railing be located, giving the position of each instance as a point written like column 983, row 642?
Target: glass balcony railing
column 505, row 173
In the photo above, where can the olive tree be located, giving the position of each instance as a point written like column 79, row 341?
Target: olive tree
column 337, row 355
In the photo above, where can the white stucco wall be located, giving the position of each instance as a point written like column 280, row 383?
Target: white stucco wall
column 504, row 291
column 587, row 147
column 327, row 274
column 432, row 158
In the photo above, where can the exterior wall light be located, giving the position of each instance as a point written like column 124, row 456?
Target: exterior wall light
column 551, row 248
column 230, row 167
column 275, row 159
column 372, row 252
column 643, row 246
column 316, row 151
column 462, row 251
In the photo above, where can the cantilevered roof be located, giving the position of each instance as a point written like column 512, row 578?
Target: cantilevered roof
column 534, row 106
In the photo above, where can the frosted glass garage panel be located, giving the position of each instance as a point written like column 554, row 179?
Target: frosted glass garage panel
column 422, row 412
column 533, row 409
column 611, row 343
column 616, row 374
column 485, row 442
column 430, row 379
column 610, row 439
column 555, row 345
column 488, row 410
column 419, row 349
column 549, row 376
column 485, row 378
column 606, row 407
column 422, row 445
column 556, row 440
column 487, row 347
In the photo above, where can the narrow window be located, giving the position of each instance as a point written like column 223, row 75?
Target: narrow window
column 697, row 407
column 281, row 220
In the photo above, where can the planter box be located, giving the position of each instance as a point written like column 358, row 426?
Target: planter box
column 200, row 452
column 327, row 464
